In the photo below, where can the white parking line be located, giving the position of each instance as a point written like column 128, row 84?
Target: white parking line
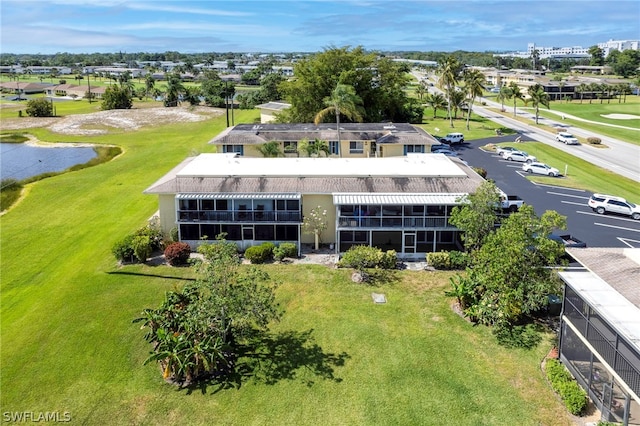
column 571, row 202
column 624, row 241
column 616, row 227
column 567, row 195
column 560, row 187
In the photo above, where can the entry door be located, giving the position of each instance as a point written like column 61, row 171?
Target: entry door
column 409, row 242
column 247, row 232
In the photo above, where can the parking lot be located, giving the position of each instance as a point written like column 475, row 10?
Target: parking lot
column 596, row 230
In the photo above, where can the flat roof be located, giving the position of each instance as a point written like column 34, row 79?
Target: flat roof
column 610, row 284
column 412, row 165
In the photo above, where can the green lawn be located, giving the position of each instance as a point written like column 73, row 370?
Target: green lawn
column 68, row 343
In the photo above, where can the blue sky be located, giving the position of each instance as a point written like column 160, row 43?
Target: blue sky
column 88, row 26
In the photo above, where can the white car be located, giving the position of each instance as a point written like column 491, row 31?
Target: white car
column 567, row 138
column 519, row 156
column 602, row 204
column 541, row 169
column 502, row 150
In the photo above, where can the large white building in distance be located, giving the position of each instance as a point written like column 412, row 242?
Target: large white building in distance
column 574, row 52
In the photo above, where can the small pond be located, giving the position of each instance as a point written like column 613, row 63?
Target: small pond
column 20, row 161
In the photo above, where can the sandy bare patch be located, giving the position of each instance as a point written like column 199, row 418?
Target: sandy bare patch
column 620, row 116
column 99, row 123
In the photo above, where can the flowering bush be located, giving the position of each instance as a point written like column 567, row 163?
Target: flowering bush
column 315, row 223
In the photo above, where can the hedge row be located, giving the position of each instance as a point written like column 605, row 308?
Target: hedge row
column 269, row 251
column 574, row 397
column 448, row 260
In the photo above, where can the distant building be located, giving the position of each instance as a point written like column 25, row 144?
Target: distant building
column 619, row 45
column 572, row 52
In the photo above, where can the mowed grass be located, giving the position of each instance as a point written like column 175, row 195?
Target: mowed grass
column 68, row 343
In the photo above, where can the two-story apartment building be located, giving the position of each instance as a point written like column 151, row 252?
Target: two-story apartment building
column 402, row 203
column 353, row 140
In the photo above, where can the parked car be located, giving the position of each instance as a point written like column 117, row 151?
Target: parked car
column 510, row 203
column 453, row 138
column 519, row 156
column 447, row 152
column 568, row 240
column 601, row 204
column 439, row 147
column 501, row 150
column 541, row 169
column 567, row 138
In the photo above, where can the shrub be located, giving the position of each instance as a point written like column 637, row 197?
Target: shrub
column 123, row 249
column 439, row 260
column 479, row 170
column 458, row 259
column 285, row 250
column 594, row 141
column 142, row 247
column 177, row 253
column 517, row 336
column 363, row 257
column 259, row 254
column 574, row 397
column 153, row 232
column 173, row 234
column 39, row 108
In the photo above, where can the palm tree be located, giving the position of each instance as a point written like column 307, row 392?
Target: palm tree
column 503, row 95
column 174, row 90
column 516, row 94
column 149, row 83
column 581, row 89
column 343, row 100
column 436, row 101
column 474, row 86
column 421, row 91
column 537, row 96
column 271, row 149
column 449, row 71
column 457, row 99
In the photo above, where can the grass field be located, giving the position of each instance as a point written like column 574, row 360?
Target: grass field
column 68, row 343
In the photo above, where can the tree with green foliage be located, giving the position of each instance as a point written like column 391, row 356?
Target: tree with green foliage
column 271, row 149
column 449, row 75
column 196, row 330
column 313, row 148
column 509, row 275
column 436, row 101
column 503, row 95
column 175, row 89
column 597, row 56
column 149, row 84
column 39, row 107
column 537, row 97
column 474, row 82
column 378, row 81
column 116, row 97
column 477, row 215
column 515, row 93
column 343, row 100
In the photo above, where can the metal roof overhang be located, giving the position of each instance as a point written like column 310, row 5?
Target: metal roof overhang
column 240, row 196
column 404, row 199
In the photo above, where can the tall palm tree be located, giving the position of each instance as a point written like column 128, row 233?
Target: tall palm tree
column 516, row 94
column 457, row 101
column 421, row 91
column 174, row 90
column 149, row 83
column 582, row 87
column 474, row 86
column 537, row 97
column 449, row 72
column 343, row 100
column 436, row 101
column 503, row 95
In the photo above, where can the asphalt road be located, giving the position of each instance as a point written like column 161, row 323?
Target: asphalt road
column 582, row 223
